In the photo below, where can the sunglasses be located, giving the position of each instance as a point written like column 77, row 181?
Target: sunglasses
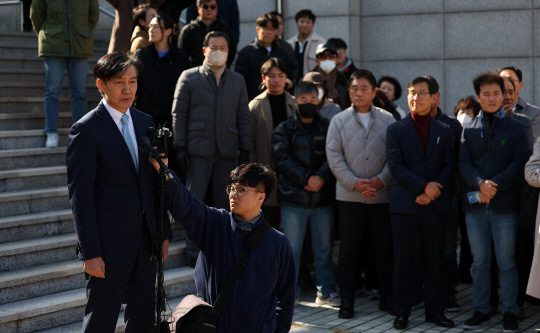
column 212, row 7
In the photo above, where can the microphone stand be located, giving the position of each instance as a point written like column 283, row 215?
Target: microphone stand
column 161, row 299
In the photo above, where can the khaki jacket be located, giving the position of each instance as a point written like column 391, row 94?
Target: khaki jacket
column 261, row 133
column 64, row 27
column 123, row 25
column 532, row 176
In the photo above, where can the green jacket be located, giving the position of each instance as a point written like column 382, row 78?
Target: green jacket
column 64, row 27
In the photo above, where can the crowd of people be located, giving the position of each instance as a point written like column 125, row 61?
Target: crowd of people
column 400, row 189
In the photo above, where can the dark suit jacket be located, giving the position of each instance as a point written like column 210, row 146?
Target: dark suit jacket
column 109, row 198
column 412, row 169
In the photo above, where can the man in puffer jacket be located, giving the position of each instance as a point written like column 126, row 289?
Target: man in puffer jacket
column 64, row 28
column 306, row 187
column 355, row 148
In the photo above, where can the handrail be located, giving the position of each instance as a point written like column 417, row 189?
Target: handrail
column 107, row 12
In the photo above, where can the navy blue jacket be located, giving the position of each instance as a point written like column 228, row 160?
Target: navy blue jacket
column 500, row 155
column 268, row 279
column 412, row 169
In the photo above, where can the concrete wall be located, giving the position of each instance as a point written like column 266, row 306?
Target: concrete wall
column 453, row 40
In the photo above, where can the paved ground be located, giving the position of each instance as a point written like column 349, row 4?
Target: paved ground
column 312, row 318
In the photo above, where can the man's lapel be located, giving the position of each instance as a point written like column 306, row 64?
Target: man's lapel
column 414, row 140
column 111, row 131
column 433, row 139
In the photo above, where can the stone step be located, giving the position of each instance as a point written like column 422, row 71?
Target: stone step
column 33, row 62
column 24, row 139
column 48, row 279
column 34, row 201
column 37, row 89
column 31, row 120
column 31, row 39
column 49, row 313
column 28, row 48
column 31, row 158
column 34, row 252
column 36, row 104
column 32, row 178
column 29, row 226
column 29, row 75
column 76, row 327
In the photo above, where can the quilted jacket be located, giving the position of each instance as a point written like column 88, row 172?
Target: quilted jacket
column 355, row 152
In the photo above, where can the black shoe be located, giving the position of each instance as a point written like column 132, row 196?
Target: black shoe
column 401, row 322
column 346, row 310
column 386, row 305
column 451, row 305
column 510, row 323
column 476, row 320
column 440, row 320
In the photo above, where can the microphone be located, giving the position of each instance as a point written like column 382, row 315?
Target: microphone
column 155, row 154
column 151, row 133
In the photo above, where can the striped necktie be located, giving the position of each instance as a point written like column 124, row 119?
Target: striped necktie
column 127, row 138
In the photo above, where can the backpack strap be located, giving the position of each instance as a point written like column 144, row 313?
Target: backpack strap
column 252, row 242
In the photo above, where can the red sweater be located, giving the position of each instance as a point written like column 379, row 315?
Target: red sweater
column 421, row 123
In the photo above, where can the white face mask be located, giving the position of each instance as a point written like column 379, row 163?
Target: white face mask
column 464, row 118
column 328, row 65
column 321, row 94
column 217, row 58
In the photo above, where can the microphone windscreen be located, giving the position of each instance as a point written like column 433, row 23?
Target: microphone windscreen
column 151, row 133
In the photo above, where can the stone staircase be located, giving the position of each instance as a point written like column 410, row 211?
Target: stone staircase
column 41, row 280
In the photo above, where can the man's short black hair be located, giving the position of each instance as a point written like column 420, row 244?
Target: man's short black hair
column 305, row 13
column 115, row 65
column 264, row 19
column 276, row 13
column 431, row 87
column 393, row 81
column 214, row 34
column 487, row 78
column 338, row 43
column 200, row 3
column 305, row 87
column 363, row 73
column 435, row 83
column 254, row 175
column 515, row 69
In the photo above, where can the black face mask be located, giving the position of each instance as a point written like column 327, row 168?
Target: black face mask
column 307, row 110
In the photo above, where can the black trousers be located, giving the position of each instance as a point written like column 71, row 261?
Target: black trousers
column 429, row 225
column 354, row 220
column 132, row 284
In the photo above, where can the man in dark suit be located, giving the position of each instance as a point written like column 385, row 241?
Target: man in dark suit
column 420, row 153
column 111, row 195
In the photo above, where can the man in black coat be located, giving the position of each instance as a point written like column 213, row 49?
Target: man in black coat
column 192, row 35
column 253, row 56
column 306, row 187
column 420, row 153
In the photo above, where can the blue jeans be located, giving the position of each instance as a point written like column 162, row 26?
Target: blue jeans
column 483, row 226
column 55, row 68
column 294, row 221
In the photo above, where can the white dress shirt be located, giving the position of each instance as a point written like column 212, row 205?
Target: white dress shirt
column 117, row 118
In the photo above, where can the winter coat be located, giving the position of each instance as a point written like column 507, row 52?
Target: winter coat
column 261, row 133
column 310, row 55
column 208, row 119
column 155, row 93
column 64, row 27
column 123, row 25
column 354, row 152
column 498, row 153
column 139, row 39
column 263, row 299
column 299, row 155
column 532, row 176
